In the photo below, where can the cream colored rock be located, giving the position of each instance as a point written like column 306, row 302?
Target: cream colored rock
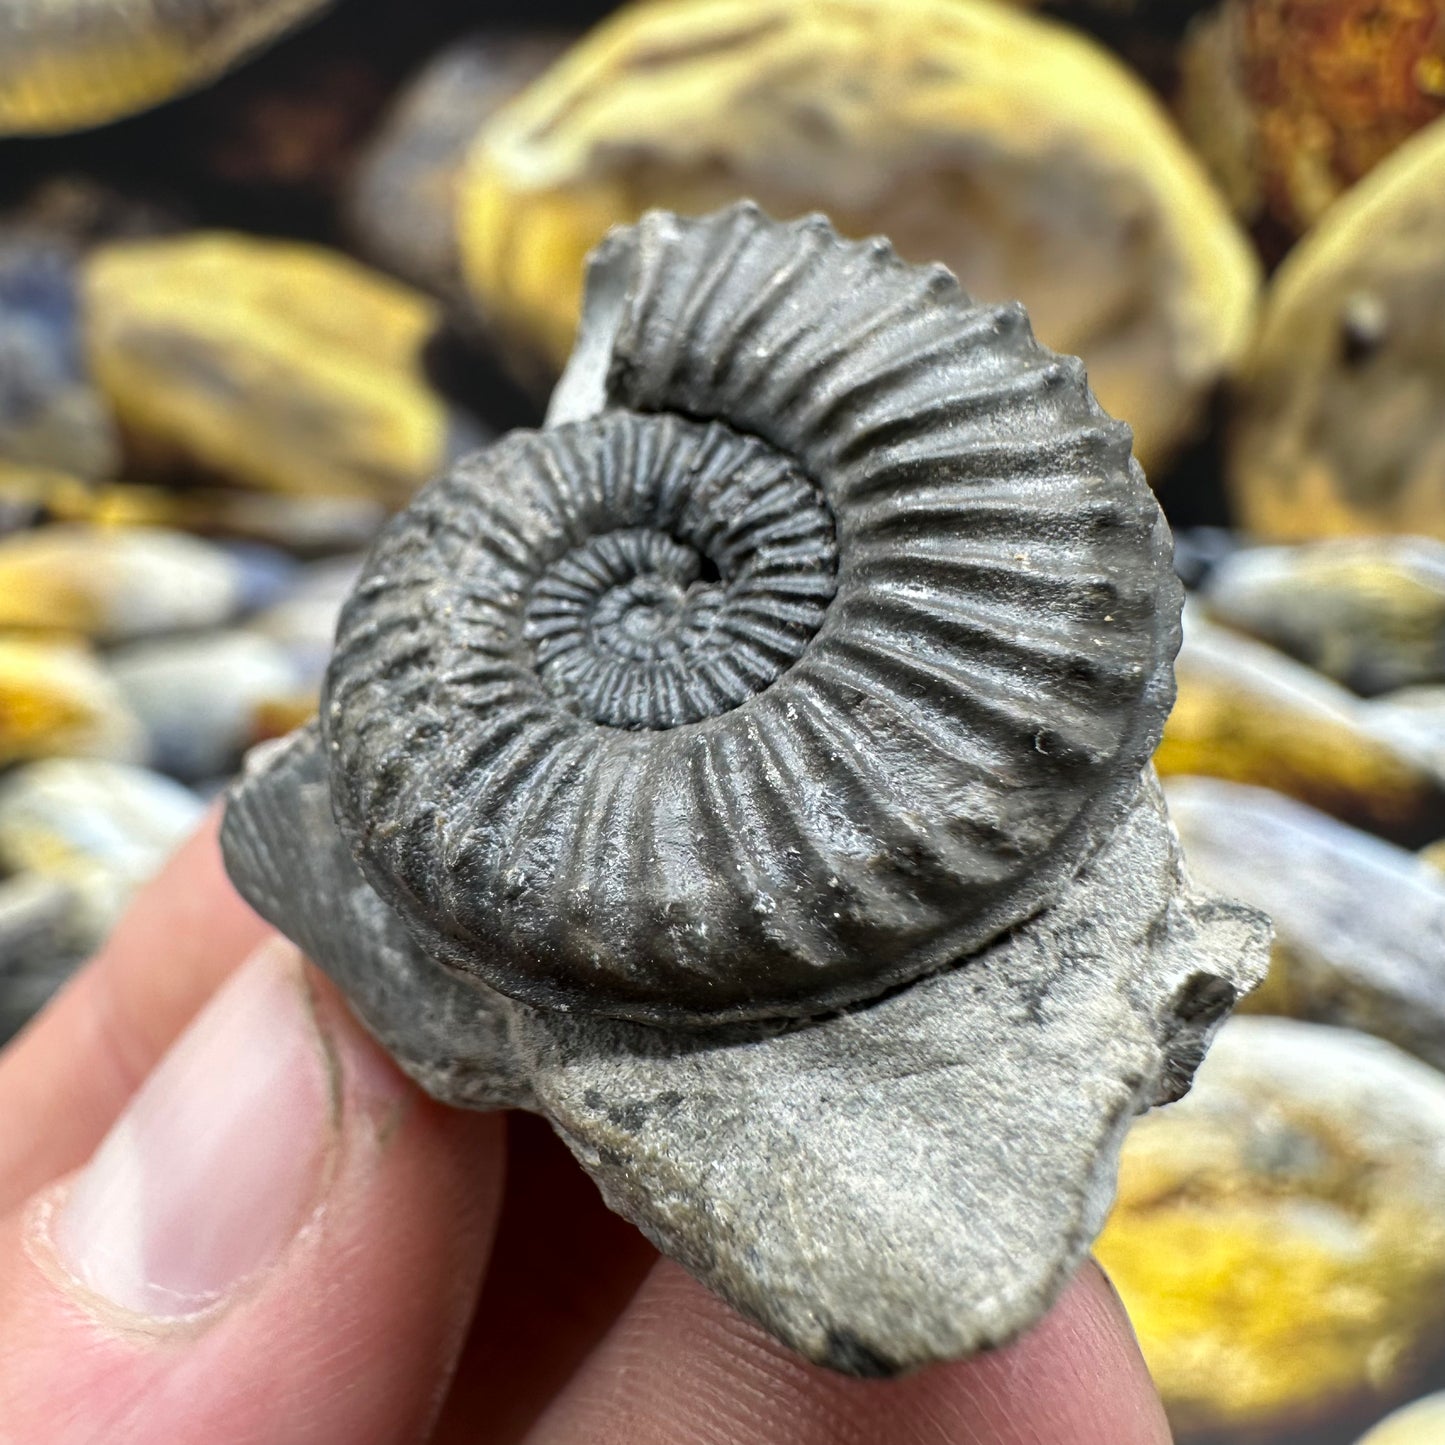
column 1340, row 415
column 101, row 829
column 1279, row 1238
column 1359, row 924
column 1422, row 1423
column 1014, row 150
column 116, row 583
column 1367, row 611
column 205, row 699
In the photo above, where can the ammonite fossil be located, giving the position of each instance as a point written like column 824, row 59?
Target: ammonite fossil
column 810, row 658
column 807, row 672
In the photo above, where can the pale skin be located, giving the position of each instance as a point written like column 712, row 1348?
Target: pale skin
column 448, row 1277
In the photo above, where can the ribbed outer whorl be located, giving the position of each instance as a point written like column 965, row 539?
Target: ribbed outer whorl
column 881, row 615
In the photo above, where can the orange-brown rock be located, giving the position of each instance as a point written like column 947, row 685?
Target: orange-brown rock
column 1292, row 101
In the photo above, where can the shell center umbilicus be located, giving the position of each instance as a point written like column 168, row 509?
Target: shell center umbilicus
column 707, row 583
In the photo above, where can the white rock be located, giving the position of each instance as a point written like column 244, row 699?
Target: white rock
column 198, row 696
column 102, row 828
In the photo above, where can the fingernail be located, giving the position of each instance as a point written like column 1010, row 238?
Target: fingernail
column 218, row 1160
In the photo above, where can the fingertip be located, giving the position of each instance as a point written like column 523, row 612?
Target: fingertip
column 699, row 1374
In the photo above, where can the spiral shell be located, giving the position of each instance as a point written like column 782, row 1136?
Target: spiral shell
column 825, row 653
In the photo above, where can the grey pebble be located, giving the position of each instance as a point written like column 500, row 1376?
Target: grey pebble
column 199, row 696
column 1359, row 923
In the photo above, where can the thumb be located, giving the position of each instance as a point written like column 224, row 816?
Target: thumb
column 279, row 1239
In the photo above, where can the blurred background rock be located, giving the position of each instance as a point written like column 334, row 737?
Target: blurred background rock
column 265, row 271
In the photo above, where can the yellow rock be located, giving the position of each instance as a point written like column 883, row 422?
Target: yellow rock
column 1340, row 424
column 1279, row 1236
column 113, row 583
column 65, row 64
column 1422, row 1423
column 55, row 700
column 269, row 363
column 32, row 498
column 1252, row 715
column 1019, row 153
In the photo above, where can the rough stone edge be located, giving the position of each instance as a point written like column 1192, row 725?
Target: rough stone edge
column 282, row 846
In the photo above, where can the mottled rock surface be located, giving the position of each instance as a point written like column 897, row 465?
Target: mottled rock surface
column 1279, row 1239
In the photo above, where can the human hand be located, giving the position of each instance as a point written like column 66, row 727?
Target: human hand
column 278, row 1240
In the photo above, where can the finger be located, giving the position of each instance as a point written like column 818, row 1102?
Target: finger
column 64, row 1080
column 696, row 1373
column 563, row 1268
column 280, row 1239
